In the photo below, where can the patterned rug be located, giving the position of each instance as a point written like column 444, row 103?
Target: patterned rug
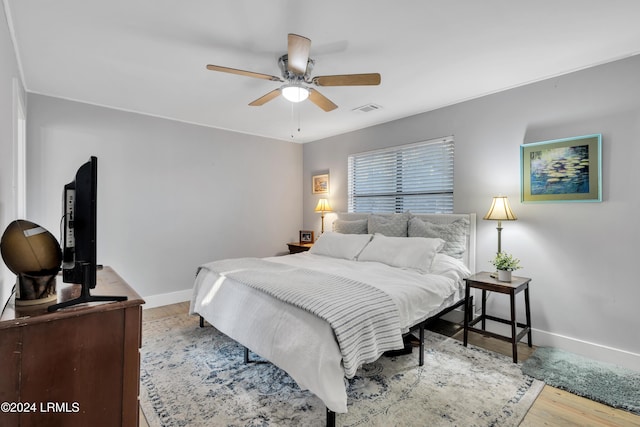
column 193, row 376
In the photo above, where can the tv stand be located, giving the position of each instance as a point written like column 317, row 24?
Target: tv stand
column 85, row 295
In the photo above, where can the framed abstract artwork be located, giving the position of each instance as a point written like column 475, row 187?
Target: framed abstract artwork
column 562, row 170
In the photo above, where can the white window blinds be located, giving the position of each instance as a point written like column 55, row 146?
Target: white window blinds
column 416, row 177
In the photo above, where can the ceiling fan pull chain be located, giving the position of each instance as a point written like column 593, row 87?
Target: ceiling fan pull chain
column 292, row 120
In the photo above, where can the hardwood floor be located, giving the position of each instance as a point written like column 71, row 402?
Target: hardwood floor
column 553, row 407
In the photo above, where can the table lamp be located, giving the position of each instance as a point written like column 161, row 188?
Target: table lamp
column 322, row 207
column 500, row 211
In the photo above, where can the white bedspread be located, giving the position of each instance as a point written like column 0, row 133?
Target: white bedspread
column 303, row 344
column 364, row 319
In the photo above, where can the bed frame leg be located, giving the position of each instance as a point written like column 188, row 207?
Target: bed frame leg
column 331, row 418
column 246, row 355
column 421, row 357
column 201, row 322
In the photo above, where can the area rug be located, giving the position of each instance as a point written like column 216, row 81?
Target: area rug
column 605, row 383
column 192, row 376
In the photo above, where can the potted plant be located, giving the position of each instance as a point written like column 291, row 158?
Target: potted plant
column 505, row 264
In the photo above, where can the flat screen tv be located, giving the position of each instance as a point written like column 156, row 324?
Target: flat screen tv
column 79, row 261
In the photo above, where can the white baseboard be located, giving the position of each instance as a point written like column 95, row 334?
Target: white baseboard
column 159, row 300
column 588, row 349
column 591, row 350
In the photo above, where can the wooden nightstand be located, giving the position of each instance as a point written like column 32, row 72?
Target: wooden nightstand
column 485, row 282
column 296, row 247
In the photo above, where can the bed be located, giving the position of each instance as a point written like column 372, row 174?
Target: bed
column 319, row 315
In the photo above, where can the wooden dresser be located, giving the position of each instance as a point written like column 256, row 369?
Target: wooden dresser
column 79, row 366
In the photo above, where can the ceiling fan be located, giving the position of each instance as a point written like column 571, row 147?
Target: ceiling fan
column 296, row 67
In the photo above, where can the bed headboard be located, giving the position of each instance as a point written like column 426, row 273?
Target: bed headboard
column 469, row 255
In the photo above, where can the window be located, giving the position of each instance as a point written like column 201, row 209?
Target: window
column 416, row 177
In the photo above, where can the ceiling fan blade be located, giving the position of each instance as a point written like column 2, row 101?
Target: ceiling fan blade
column 298, row 53
column 370, row 79
column 265, row 98
column 321, row 101
column 243, row 73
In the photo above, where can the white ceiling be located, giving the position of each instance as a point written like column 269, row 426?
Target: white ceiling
column 149, row 56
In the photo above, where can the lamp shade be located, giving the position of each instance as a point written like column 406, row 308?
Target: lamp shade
column 323, row 206
column 500, row 210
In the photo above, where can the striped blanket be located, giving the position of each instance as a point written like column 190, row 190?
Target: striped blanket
column 365, row 320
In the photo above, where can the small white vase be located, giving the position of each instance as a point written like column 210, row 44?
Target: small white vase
column 504, row 275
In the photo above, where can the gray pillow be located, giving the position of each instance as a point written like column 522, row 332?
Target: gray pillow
column 454, row 234
column 358, row 226
column 389, row 225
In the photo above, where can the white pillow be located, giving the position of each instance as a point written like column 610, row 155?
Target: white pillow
column 338, row 245
column 446, row 265
column 414, row 253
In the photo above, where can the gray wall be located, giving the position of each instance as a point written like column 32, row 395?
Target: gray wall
column 9, row 81
column 170, row 195
column 582, row 256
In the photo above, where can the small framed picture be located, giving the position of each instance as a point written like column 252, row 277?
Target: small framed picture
column 306, row 236
column 320, row 184
column 562, row 170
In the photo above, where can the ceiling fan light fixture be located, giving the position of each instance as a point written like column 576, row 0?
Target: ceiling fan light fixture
column 295, row 93
column 295, row 67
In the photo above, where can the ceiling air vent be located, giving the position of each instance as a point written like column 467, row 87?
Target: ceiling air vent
column 367, row 108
